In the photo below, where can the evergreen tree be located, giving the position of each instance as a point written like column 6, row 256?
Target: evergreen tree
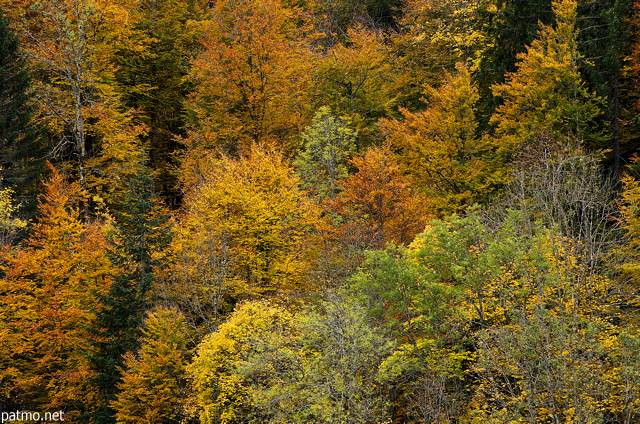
column 604, row 40
column 509, row 26
column 152, row 75
column 17, row 135
column 140, row 235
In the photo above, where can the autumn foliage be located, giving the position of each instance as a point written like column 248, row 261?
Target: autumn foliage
column 323, row 211
column 48, row 298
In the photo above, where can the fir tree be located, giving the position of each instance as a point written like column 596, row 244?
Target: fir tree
column 509, row 26
column 604, row 36
column 140, row 234
column 17, row 135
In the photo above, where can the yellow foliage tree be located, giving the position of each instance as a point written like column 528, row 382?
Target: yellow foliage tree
column 440, row 148
column 356, row 79
column 153, row 383
column 74, row 45
column 221, row 392
column 630, row 210
column 10, row 225
column 247, row 231
column 546, row 93
column 433, row 38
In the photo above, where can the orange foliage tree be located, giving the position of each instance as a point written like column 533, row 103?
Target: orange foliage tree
column 378, row 204
column 47, row 299
column 375, row 206
column 252, row 76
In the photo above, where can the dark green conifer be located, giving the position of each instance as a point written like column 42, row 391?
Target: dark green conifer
column 604, row 39
column 18, row 137
column 140, row 235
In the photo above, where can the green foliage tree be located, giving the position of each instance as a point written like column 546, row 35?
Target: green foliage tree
column 153, row 383
column 519, row 310
column 415, row 294
column 342, row 351
column 18, row 140
column 140, row 236
column 327, row 144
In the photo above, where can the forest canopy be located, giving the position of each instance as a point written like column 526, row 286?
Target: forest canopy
column 322, row 211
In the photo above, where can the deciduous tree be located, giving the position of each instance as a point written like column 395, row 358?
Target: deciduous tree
column 252, row 77
column 266, row 364
column 247, row 231
column 72, row 44
column 378, row 204
column 327, row 145
column 441, row 149
column 356, row 79
column 222, row 392
column 546, row 93
column 153, row 383
column 537, row 319
column 432, row 38
column 48, row 299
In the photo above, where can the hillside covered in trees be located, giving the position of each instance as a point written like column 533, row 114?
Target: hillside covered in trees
column 320, row 211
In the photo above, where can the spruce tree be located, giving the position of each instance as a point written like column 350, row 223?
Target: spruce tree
column 604, row 39
column 140, row 234
column 17, row 135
